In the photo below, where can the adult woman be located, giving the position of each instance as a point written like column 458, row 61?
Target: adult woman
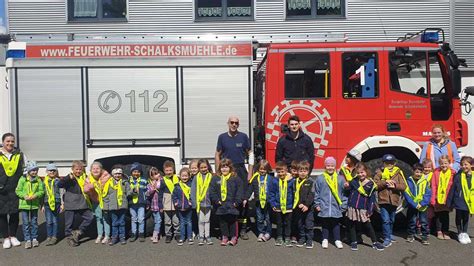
column 438, row 145
column 11, row 170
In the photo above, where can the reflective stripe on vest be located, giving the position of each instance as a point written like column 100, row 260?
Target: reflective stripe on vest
column 10, row 166
column 347, row 174
column 468, row 192
column 117, row 187
column 331, row 180
column 170, row 182
column 185, row 188
column 420, row 190
column 50, row 192
column 283, row 185
column 443, row 184
column 81, row 181
column 224, row 180
column 297, row 193
column 202, row 188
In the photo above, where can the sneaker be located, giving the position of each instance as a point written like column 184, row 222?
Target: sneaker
column 378, row 246
column 142, row 237
column 244, row 235
column 260, row 238
column 233, row 242
column 278, row 242
column 71, row 242
column 15, row 242
column 387, row 243
column 424, row 241
column 123, row 241
column 35, row 243
column 48, row 239
column 294, row 240
column 338, row 244
column 418, row 231
column 180, row 242
column 190, row 241
column 53, row 241
column 440, row 235
column 134, row 237
column 113, row 241
column 300, row 243
column 7, row 243
column 28, row 244
column 168, row 239
column 354, row 246
column 76, row 235
column 462, row 238
column 177, row 238
column 224, row 241
column 410, row 238
column 446, row 236
column 201, row 241
column 288, row 244
column 98, row 240
column 209, row 241
column 325, row 243
column 468, row 238
column 266, row 237
column 309, row 244
column 106, row 240
column 392, row 239
column 156, row 237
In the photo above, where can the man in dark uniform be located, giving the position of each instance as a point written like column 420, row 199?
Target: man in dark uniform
column 235, row 145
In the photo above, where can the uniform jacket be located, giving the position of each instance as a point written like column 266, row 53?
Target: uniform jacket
column 290, row 149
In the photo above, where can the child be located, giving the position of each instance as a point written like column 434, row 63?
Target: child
column 76, row 202
column 294, row 169
column 202, row 202
column 52, row 204
column 281, row 193
column 182, row 203
column 441, row 184
column 93, row 188
column 155, row 197
column 194, row 169
column 294, row 222
column 461, row 198
column 361, row 204
column 30, row 192
column 226, row 195
column 418, row 195
column 330, row 202
column 115, row 204
column 390, row 184
column 137, row 202
column 427, row 170
column 260, row 183
column 303, row 206
column 349, row 169
column 171, row 218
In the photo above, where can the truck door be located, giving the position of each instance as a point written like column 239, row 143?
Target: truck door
column 361, row 110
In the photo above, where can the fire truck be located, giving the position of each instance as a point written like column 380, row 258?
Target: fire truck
column 119, row 99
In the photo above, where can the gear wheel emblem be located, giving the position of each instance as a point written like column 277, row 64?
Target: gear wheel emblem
column 316, row 122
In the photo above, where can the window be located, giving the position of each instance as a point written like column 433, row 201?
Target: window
column 359, row 75
column 440, row 92
column 224, row 9
column 408, row 73
column 97, row 10
column 307, row 75
column 314, row 8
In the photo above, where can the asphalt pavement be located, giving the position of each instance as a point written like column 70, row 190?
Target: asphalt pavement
column 248, row 252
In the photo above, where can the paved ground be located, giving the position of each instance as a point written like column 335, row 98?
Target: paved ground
column 246, row 253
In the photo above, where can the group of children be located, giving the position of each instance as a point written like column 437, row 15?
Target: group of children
column 291, row 199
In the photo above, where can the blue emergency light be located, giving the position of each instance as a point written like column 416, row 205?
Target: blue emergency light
column 430, row 36
column 16, row 50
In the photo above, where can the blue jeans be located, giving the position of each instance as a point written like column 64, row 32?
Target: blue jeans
column 185, row 224
column 30, row 224
column 117, row 218
column 102, row 224
column 157, row 220
column 138, row 216
column 264, row 226
column 52, row 220
column 412, row 214
column 387, row 213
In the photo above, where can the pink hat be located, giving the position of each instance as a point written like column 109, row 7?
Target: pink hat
column 330, row 160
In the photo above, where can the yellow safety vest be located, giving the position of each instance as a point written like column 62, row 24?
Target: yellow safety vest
column 185, row 188
column 347, row 174
column 135, row 183
column 283, row 184
column 362, row 191
column 170, row 182
column 202, row 187
column 50, row 192
column 10, row 166
column 332, row 182
column 97, row 187
column 420, row 190
column 32, row 188
column 117, row 187
column 224, row 180
column 262, row 190
column 297, row 193
column 81, row 180
column 443, row 183
column 429, row 177
column 468, row 192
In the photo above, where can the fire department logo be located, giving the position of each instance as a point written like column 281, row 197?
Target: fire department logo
column 316, row 121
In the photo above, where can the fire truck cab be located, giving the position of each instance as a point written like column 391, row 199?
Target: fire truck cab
column 375, row 97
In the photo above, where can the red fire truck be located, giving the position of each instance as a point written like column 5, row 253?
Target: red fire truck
column 375, row 97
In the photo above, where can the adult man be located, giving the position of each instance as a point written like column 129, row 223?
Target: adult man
column 235, row 145
column 295, row 145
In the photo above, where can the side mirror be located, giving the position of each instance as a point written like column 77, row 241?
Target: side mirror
column 469, row 91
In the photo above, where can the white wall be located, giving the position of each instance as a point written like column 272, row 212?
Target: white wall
column 469, row 149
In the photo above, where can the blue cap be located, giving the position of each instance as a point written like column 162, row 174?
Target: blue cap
column 136, row 166
column 388, row 158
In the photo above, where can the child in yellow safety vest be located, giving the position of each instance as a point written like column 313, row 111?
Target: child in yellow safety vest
column 418, row 196
column 30, row 192
column 137, row 202
column 183, row 205
column 171, row 220
column 441, row 184
column 259, row 184
column 330, row 201
column 461, row 198
column 201, row 200
column 53, row 203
